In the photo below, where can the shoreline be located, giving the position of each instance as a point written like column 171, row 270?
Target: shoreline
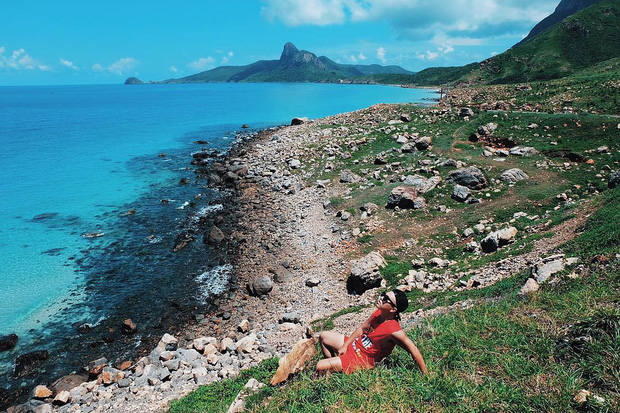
column 278, row 233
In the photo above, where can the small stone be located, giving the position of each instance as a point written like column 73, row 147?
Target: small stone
column 129, row 327
column 244, row 326
column 41, row 392
column 312, row 282
column 460, row 193
column 169, row 342
column 530, row 286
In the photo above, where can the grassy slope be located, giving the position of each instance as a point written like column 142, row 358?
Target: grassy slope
column 509, row 354
column 580, row 41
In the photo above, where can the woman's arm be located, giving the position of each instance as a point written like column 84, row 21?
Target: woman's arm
column 405, row 342
column 358, row 332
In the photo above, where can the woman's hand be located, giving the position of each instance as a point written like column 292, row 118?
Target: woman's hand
column 342, row 350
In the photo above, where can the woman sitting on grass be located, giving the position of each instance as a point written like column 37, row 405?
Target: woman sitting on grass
column 372, row 341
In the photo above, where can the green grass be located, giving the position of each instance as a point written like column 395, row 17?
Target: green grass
column 514, row 355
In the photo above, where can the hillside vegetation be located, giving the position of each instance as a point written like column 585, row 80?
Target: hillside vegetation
column 488, row 347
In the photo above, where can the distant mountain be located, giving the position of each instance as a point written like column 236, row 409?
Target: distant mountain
column 294, row 65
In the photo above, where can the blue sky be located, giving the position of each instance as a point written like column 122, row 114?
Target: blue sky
column 95, row 42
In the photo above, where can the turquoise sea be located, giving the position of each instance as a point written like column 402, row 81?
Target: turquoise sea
column 75, row 159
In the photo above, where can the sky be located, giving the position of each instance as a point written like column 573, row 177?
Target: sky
column 63, row 42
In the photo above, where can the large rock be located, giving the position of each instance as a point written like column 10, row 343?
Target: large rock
column 8, row 342
column 421, row 183
column 365, row 273
column 523, row 151
column 67, row 383
column 294, row 361
column 26, row 364
column 530, row 286
column 129, row 327
column 281, row 274
column 460, row 193
column 169, row 342
column 299, row 121
column 41, row 392
column 261, row 285
column 402, row 197
column 471, row 177
column 498, row 239
column 466, row 112
column 423, row 143
column 348, row 177
column 548, row 266
column 216, row 236
column 614, row 179
column 513, row 175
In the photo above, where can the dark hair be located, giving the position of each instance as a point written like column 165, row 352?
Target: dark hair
column 401, row 302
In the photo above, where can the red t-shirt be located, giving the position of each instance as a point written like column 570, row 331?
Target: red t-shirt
column 375, row 344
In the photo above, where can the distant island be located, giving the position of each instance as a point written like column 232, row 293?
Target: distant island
column 294, row 65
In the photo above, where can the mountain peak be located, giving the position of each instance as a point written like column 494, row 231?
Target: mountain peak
column 289, row 51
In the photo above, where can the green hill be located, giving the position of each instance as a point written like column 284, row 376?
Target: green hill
column 555, row 48
column 580, row 41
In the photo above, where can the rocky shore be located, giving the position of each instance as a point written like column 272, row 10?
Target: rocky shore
column 296, row 256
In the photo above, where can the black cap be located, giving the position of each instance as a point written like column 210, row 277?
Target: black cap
column 401, row 300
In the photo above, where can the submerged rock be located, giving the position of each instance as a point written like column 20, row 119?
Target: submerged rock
column 8, row 342
column 27, row 363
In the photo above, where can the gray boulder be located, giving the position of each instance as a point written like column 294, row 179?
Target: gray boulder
column 460, row 193
column 299, row 121
column 421, row 183
column 261, row 285
column 614, row 179
column 523, row 151
column 365, row 273
column 216, row 236
column 530, row 286
column 513, row 175
column 370, row 208
column 423, row 143
column 548, row 266
column 498, row 239
column 402, row 197
column 405, row 117
column 348, row 177
column 463, row 112
column 281, row 274
column 471, row 177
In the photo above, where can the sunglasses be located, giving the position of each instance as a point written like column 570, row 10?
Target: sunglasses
column 386, row 299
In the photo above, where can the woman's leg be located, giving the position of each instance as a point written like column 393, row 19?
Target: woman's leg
column 329, row 364
column 331, row 341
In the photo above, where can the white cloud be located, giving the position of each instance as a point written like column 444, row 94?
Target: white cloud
column 416, row 18
column 20, row 60
column 361, row 56
column 122, row 66
column 173, row 69
column 98, row 68
column 308, row 12
column 201, row 63
column 381, row 54
column 227, row 58
column 68, row 64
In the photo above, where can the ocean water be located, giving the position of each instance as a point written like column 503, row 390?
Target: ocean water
column 75, row 159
